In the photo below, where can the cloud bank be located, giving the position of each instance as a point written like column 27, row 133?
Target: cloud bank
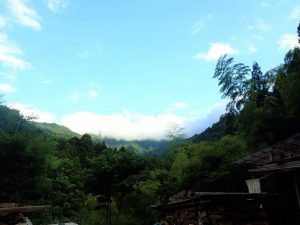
column 129, row 126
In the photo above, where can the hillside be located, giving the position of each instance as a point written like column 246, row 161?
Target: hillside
column 55, row 130
column 224, row 126
column 143, row 147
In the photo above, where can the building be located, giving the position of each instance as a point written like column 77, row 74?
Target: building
column 216, row 208
column 273, row 181
column 276, row 170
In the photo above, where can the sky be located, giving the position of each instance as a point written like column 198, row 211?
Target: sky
column 133, row 69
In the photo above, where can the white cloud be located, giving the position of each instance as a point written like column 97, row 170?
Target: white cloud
column 7, row 88
column 75, row 96
column 260, row 25
column 251, row 49
column 29, row 111
column 216, row 108
column 83, row 55
column 23, row 14
column 130, row 126
column 121, row 125
column 215, row 51
column 295, row 14
column 9, row 75
column 201, row 120
column 177, row 106
column 257, row 37
column 198, row 26
column 3, row 21
column 288, row 41
column 265, row 3
column 95, row 88
column 47, row 81
column 57, row 5
column 10, row 54
column 92, row 91
column 201, row 24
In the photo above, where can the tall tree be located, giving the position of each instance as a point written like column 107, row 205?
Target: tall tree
column 260, row 85
column 22, row 168
column 113, row 174
column 234, row 82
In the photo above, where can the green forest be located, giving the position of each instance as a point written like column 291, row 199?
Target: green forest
column 90, row 182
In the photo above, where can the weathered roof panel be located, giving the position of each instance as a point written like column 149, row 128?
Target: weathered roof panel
column 285, row 150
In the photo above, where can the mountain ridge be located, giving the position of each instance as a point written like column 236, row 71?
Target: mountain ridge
column 141, row 147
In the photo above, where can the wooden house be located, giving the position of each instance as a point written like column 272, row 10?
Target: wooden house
column 273, row 181
column 276, row 169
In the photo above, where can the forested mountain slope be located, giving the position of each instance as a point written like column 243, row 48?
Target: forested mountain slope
column 55, row 130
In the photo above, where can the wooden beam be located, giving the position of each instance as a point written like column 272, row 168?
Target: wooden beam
column 24, row 209
column 297, row 192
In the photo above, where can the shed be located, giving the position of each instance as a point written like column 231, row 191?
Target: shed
column 276, row 169
column 217, row 208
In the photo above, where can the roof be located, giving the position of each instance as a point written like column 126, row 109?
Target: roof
column 282, row 155
column 203, row 198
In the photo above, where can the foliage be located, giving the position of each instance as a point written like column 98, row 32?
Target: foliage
column 55, row 130
column 22, row 168
column 225, row 126
column 208, row 166
column 233, row 79
column 10, row 120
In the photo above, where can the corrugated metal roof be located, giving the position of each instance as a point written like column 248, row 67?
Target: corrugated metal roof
column 200, row 198
column 283, row 151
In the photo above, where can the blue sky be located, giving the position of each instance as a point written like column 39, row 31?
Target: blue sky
column 132, row 69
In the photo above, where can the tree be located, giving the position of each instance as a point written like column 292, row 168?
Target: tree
column 66, row 185
column 260, row 85
column 287, row 86
column 22, row 168
column 234, row 82
column 210, row 164
column 113, row 174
